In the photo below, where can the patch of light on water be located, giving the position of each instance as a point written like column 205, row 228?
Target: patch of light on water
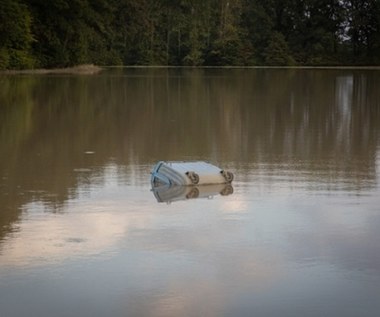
column 85, row 226
column 378, row 164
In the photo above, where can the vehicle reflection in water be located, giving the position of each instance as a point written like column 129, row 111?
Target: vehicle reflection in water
column 169, row 194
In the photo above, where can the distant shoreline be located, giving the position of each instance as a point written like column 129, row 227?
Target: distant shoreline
column 249, row 67
column 89, row 69
column 86, row 69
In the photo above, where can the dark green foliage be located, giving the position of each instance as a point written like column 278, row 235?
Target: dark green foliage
column 15, row 35
column 364, row 31
column 277, row 52
column 258, row 23
column 60, row 33
column 74, row 32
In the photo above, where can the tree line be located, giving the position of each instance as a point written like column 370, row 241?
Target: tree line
column 61, row 33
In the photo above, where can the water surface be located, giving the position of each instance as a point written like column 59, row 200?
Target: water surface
column 83, row 234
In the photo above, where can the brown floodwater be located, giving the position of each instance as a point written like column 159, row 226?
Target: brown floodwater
column 82, row 233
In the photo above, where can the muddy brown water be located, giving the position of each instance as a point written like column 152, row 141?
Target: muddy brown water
column 83, row 234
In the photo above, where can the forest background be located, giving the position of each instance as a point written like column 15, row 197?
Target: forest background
column 62, row 33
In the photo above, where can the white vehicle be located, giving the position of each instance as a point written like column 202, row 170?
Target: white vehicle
column 189, row 173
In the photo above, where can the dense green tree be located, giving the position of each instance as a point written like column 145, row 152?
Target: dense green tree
column 194, row 33
column 15, row 35
column 59, row 33
column 277, row 52
column 72, row 32
column 311, row 29
column 230, row 44
column 136, row 23
column 363, row 24
column 259, row 24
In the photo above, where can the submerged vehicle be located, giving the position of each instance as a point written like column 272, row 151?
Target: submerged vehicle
column 189, row 173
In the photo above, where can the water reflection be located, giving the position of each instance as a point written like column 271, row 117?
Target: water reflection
column 170, row 194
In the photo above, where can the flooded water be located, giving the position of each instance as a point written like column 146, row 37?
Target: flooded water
column 83, row 234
